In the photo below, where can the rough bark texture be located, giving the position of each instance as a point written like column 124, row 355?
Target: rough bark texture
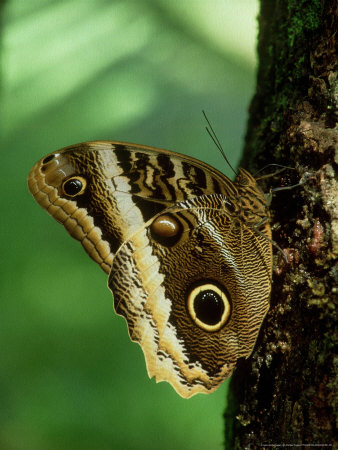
column 286, row 392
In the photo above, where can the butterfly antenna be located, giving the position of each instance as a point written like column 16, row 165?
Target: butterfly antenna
column 281, row 169
column 216, row 141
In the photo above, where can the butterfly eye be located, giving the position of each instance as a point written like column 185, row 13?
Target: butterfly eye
column 166, row 230
column 209, row 306
column 74, row 186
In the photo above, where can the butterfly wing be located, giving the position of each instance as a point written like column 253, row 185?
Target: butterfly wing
column 179, row 239
column 158, row 285
column 123, row 185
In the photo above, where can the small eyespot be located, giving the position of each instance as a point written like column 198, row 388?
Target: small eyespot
column 209, row 306
column 48, row 158
column 74, row 186
column 166, row 230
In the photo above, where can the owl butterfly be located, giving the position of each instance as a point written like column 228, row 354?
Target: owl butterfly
column 188, row 252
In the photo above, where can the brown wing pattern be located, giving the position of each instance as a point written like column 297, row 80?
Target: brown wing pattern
column 188, row 251
column 151, row 284
column 125, row 185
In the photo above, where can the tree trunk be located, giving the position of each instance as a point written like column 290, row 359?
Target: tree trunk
column 286, row 392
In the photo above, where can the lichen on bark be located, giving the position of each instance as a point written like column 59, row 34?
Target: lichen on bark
column 286, row 392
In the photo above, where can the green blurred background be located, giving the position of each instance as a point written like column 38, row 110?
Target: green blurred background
column 136, row 71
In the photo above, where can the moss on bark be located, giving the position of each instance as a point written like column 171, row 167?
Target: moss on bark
column 286, row 392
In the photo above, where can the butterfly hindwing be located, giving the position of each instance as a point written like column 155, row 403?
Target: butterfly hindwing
column 152, row 280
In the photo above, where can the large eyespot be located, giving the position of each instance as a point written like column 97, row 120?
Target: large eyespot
column 166, row 230
column 209, row 306
column 74, row 186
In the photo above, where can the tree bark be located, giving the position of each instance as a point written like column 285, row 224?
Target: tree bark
column 286, row 392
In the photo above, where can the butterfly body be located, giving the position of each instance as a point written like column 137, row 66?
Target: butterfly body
column 188, row 252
